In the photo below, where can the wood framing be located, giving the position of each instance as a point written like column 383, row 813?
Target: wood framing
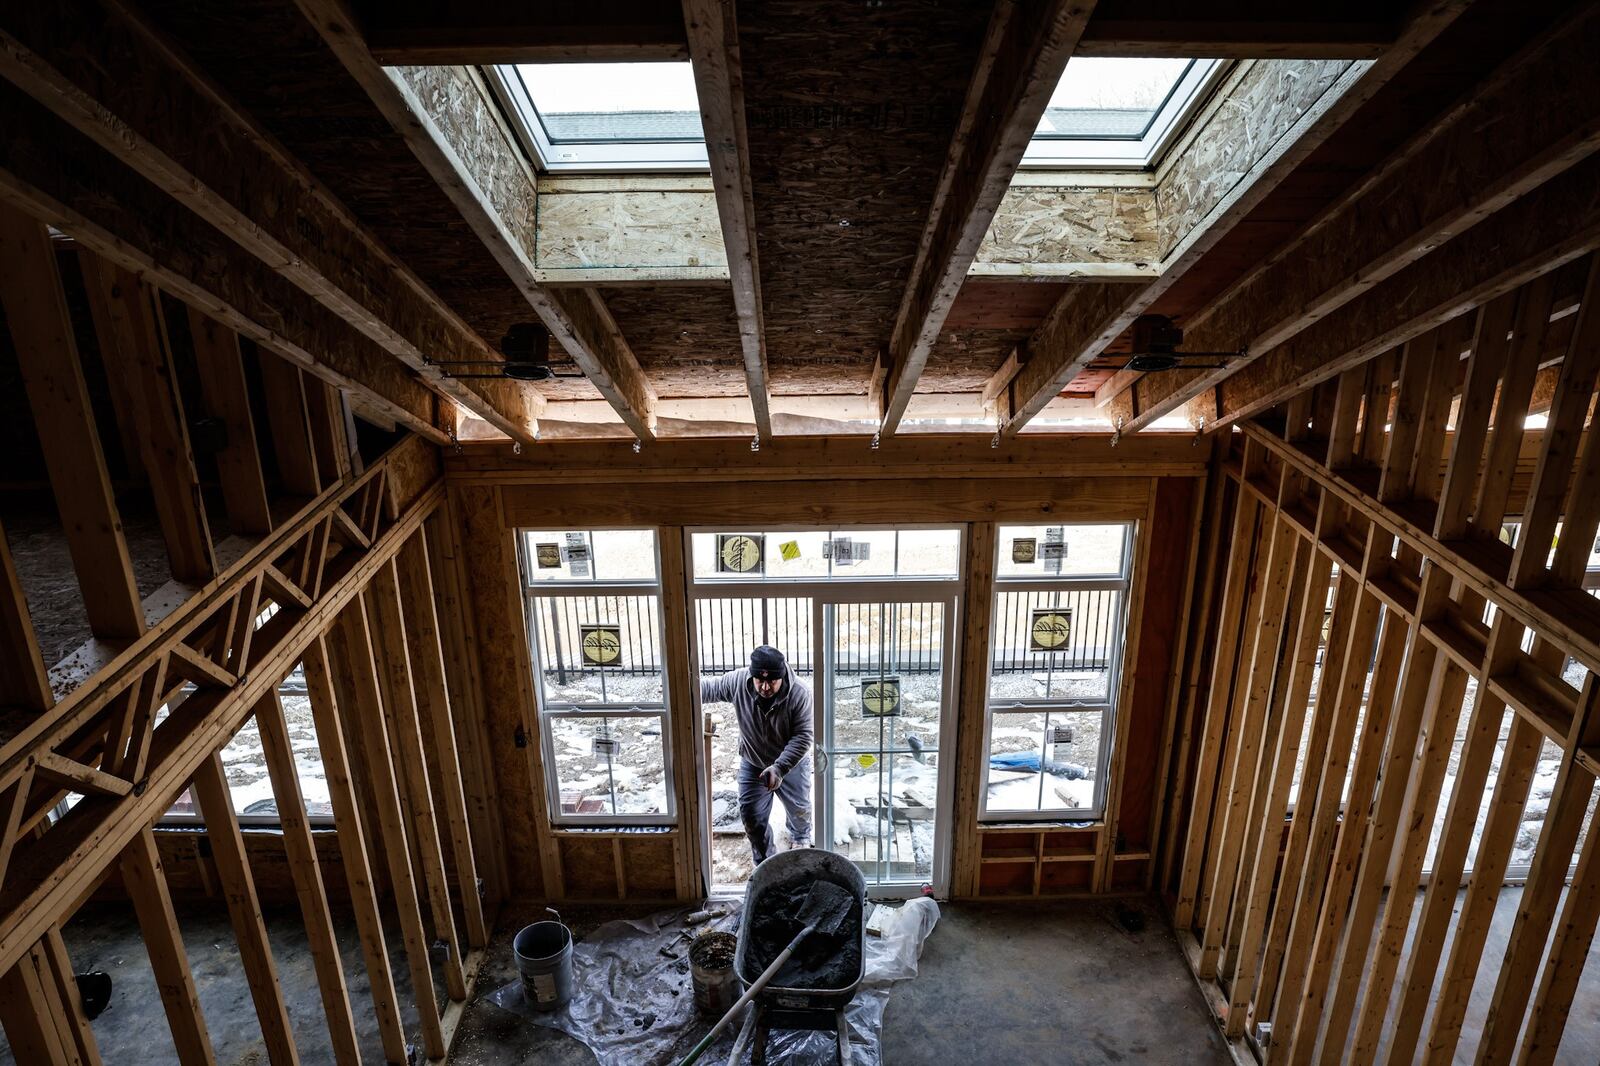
column 47, row 352
column 447, row 118
column 140, row 98
column 719, row 81
column 1024, row 53
column 60, row 177
column 1397, row 215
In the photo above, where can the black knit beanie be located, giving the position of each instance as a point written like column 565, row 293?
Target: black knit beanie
column 767, row 663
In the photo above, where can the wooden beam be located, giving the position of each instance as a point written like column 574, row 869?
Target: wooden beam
column 244, row 909
column 1024, row 53
column 47, row 353
column 146, row 883
column 392, row 656
column 1554, row 225
column 131, row 330
column 1089, row 317
column 719, row 82
column 62, row 982
column 283, row 393
column 433, row 706
column 306, row 871
column 468, row 150
column 326, row 407
column 353, row 649
column 226, row 398
column 353, row 848
column 23, row 681
column 1324, row 30
column 59, row 176
column 504, row 31
column 1547, row 103
column 113, row 77
column 32, row 1014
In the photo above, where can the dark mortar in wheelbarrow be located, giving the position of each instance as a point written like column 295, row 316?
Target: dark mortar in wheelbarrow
column 822, row 960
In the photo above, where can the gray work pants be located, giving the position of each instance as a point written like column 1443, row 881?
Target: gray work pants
column 755, row 806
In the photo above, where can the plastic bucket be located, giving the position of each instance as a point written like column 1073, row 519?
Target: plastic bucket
column 716, row 987
column 543, row 952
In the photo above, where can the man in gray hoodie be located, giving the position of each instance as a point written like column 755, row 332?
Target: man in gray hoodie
column 773, row 709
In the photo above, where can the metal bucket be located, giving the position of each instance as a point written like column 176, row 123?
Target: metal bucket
column 716, row 987
column 543, row 952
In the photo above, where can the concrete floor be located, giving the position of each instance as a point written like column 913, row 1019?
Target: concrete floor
column 1063, row 983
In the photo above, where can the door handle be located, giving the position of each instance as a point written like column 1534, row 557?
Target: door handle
column 822, row 758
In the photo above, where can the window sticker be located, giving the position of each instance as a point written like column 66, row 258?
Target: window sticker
column 739, row 553
column 1050, row 629
column 548, row 555
column 880, row 697
column 602, row 644
column 790, row 550
column 1024, row 549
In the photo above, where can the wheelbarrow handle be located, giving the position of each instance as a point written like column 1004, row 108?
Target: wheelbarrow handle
column 755, row 987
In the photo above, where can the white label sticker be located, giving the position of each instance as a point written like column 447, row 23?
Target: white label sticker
column 608, row 746
column 1053, row 550
column 544, row 987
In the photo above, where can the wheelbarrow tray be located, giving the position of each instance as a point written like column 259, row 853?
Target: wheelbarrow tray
column 804, row 865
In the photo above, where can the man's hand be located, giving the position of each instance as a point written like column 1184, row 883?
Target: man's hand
column 771, row 778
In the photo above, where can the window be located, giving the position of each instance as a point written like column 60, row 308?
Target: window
column 594, row 624
column 1119, row 113
column 813, row 555
column 1055, row 665
column 245, row 764
column 604, row 116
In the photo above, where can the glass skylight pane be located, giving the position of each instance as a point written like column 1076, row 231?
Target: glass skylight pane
column 1110, row 99
column 614, row 103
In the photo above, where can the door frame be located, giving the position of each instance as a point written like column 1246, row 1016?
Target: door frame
column 951, row 591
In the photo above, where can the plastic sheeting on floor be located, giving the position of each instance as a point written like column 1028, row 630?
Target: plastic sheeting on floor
column 634, row 1006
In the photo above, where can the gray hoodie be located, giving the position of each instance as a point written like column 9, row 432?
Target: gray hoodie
column 775, row 732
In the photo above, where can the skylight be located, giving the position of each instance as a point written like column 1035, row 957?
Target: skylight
column 1119, row 113
column 606, row 116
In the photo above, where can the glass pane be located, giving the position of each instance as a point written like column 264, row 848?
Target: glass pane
column 604, row 103
column 903, row 644
column 1085, row 551
column 611, row 765
column 599, row 649
column 1109, row 99
column 728, row 629
column 884, row 814
column 935, row 552
column 1043, row 760
column 591, row 555
column 845, row 554
column 1089, row 628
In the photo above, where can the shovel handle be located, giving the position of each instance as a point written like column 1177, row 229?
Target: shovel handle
column 750, row 993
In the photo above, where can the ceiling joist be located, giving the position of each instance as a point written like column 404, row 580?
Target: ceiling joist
column 406, row 32
column 58, row 176
column 719, row 82
column 1024, row 53
column 453, row 128
column 115, row 79
column 1553, row 225
column 1325, row 29
column 1544, row 106
column 1085, row 323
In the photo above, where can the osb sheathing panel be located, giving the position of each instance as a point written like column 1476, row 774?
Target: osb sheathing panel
column 457, row 101
column 685, row 337
column 650, row 865
column 491, row 583
column 962, row 360
column 1252, row 111
column 268, row 58
column 414, row 465
column 850, row 109
column 588, row 868
column 582, row 228
column 1072, row 225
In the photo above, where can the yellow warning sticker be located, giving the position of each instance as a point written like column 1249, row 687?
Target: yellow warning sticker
column 866, row 762
column 790, row 550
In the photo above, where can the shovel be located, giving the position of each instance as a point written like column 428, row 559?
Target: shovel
column 823, row 911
